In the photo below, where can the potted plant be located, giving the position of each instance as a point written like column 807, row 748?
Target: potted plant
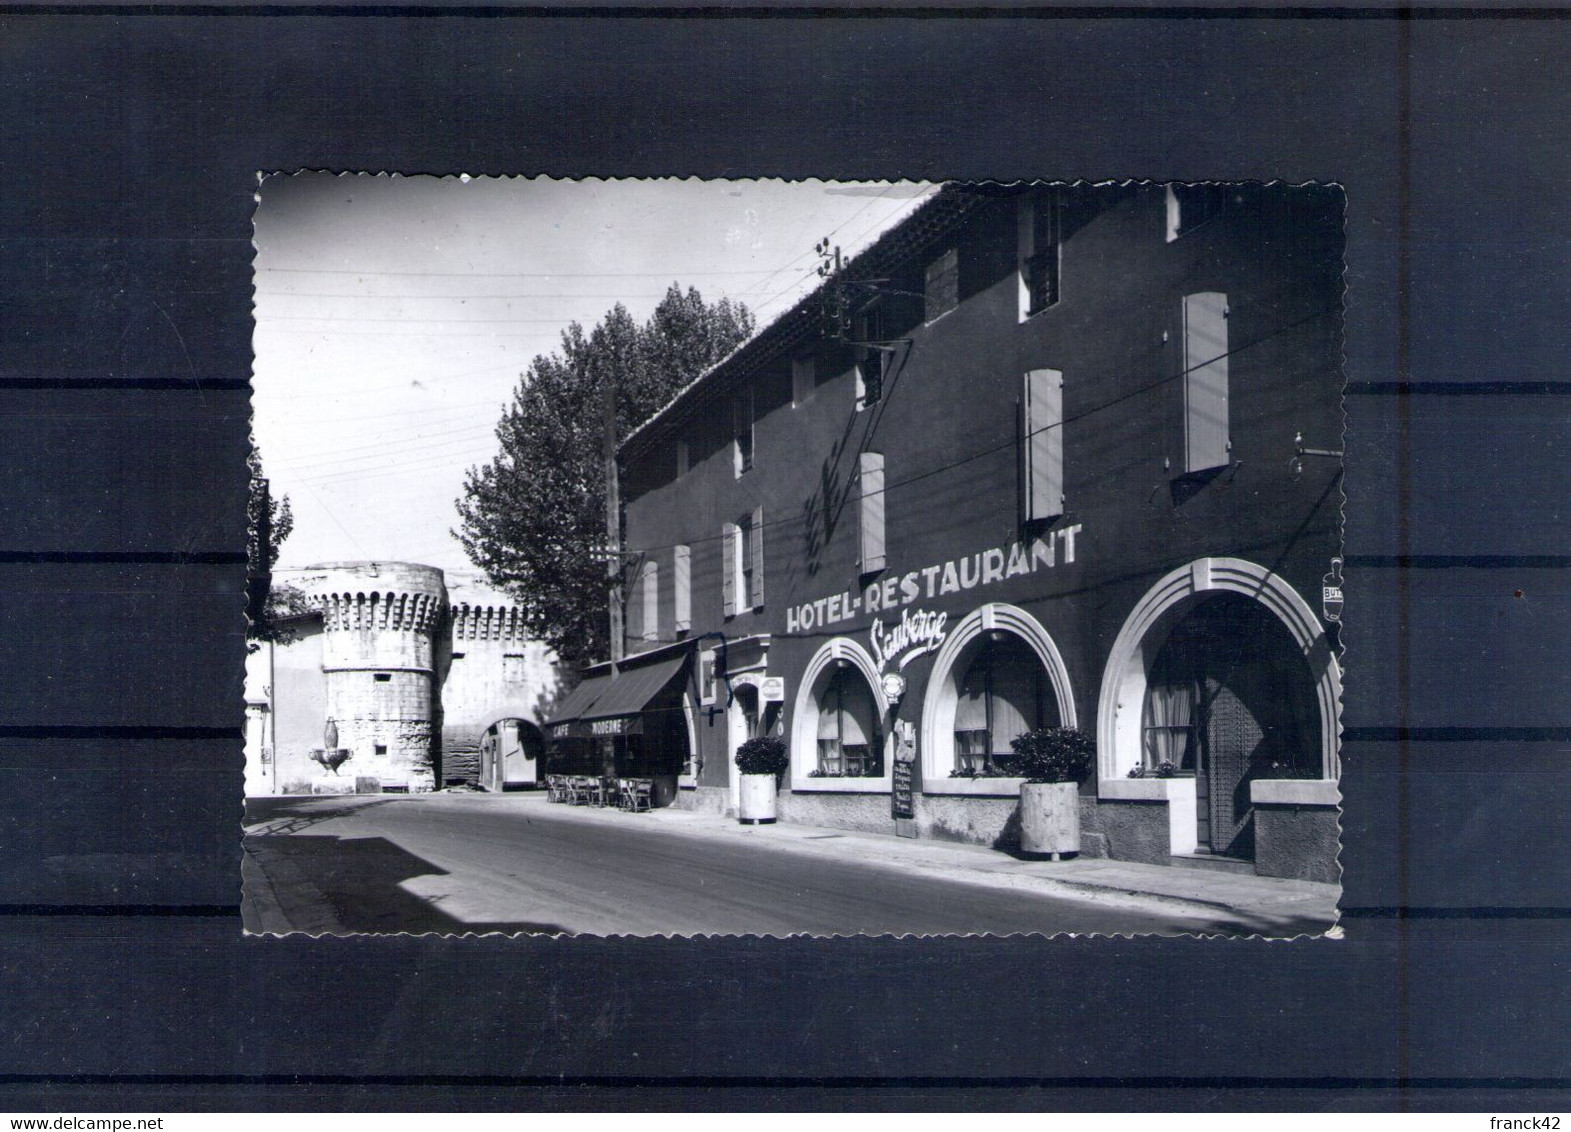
column 1053, row 760
column 762, row 762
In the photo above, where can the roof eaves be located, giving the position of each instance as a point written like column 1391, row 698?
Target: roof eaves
column 944, row 208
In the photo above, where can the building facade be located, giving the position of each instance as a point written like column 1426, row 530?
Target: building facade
column 427, row 681
column 1041, row 456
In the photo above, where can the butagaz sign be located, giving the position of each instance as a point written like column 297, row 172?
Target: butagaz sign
column 984, row 568
column 918, row 631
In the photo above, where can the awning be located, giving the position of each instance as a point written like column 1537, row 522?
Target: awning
column 571, row 710
column 630, row 693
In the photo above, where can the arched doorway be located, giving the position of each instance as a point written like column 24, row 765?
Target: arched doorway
column 511, row 751
column 1225, row 644
column 1229, row 700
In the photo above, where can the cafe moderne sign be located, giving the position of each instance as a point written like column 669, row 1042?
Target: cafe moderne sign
column 919, row 631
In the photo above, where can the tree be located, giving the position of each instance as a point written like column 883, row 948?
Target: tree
column 268, row 523
column 531, row 517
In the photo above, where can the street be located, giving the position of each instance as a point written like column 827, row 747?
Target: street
column 459, row 863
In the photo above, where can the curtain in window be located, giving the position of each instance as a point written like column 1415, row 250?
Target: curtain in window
column 849, row 740
column 1170, row 723
column 971, row 741
column 1017, row 694
column 971, row 709
column 829, row 756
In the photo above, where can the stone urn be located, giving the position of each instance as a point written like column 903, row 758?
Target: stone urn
column 1050, row 818
column 761, row 762
column 1052, row 760
column 756, row 802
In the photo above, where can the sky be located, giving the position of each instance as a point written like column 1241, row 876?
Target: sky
column 395, row 316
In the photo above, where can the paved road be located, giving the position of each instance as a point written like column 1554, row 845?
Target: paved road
column 464, row 862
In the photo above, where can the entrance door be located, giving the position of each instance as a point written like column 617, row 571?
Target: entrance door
column 521, row 746
column 490, row 762
column 742, row 725
column 1230, row 699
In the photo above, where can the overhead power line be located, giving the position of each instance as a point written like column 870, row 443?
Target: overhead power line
column 521, row 274
column 797, row 519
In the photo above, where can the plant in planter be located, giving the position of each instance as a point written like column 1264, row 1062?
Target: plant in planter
column 1053, row 760
column 1163, row 769
column 762, row 761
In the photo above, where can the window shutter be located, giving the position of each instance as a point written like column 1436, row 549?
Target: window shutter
column 802, row 380
column 870, row 556
column 633, row 611
column 1205, row 381
column 1043, row 444
column 757, row 535
column 728, row 569
column 651, row 598
column 682, row 577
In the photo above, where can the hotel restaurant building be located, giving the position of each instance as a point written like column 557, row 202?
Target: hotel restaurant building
column 1041, row 455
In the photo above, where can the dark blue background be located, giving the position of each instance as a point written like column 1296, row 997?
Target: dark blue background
column 129, row 146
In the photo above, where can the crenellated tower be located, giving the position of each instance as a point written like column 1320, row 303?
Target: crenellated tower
column 380, row 624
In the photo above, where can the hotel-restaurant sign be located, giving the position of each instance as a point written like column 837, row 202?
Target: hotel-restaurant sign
column 919, row 631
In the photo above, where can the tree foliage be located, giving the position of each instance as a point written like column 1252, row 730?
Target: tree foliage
column 530, row 518
column 280, row 601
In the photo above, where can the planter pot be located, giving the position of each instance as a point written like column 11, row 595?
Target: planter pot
column 757, row 800
column 1050, row 818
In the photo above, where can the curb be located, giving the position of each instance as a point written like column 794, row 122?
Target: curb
column 987, row 874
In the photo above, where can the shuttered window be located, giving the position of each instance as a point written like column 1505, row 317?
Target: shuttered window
column 870, row 358
column 1189, row 206
column 1038, row 241
column 650, row 599
column 633, row 609
column 870, row 513
column 683, row 459
column 755, row 560
column 682, row 581
column 728, row 568
column 742, row 422
column 1205, row 382
column 942, row 291
column 1042, row 444
column 803, row 380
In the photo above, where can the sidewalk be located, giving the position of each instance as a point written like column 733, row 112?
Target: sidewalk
column 1268, row 906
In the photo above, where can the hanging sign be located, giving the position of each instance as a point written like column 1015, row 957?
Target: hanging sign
column 706, row 677
column 1331, row 593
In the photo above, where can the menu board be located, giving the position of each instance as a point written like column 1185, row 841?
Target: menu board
column 901, row 801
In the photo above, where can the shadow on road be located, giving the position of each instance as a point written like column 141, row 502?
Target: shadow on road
column 359, row 878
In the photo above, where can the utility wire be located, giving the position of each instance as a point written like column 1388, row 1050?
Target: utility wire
column 516, row 274
column 464, row 296
column 1013, row 441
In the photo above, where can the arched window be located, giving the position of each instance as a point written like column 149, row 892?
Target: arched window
column 850, row 742
column 1003, row 693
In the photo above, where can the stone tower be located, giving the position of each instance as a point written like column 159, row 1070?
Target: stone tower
column 380, row 622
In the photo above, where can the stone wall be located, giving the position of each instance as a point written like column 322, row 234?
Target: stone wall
column 704, row 800
column 490, row 671
column 1300, row 842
